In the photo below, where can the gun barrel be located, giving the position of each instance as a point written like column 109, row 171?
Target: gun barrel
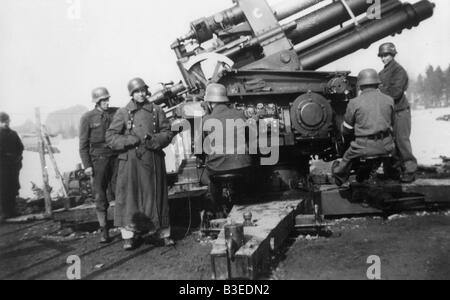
column 167, row 93
column 385, row 9
column 203, row 29
column 343, row 44
column 326, row 18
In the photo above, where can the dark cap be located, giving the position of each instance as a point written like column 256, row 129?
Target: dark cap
column 4, row 117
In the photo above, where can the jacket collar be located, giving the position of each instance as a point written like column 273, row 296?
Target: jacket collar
column 390, row 65
column 220, row 108
column 132, row 106
column 369, row 90
column 97, row 111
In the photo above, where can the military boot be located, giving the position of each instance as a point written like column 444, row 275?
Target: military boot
column 129, row 245
column 104, row 238
column 104, row 230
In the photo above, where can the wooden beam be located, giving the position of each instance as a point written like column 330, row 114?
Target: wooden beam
column 273, row 222
column 48, row 200
column 434, row 190
column 48, row 145
column 336, row 202
column 81, row 214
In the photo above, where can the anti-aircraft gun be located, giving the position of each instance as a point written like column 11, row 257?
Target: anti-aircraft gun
column 267, row 58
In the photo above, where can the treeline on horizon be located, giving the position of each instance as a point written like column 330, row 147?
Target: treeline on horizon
column 431, row 89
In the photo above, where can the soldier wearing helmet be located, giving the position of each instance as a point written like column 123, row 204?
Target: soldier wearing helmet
column 11, row 150
column 139, row 132
column 98, row 158
column 229, row 156
column 394, row 81
column 369, row 119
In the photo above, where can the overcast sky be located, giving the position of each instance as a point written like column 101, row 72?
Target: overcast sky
column 51, row 58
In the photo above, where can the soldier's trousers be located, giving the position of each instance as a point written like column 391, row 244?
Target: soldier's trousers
column 9, row 189
column 105, row 175
column 240, row 188
column 362, row 147
column 402, row 132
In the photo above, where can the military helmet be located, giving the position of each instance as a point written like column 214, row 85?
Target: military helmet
column 100, row 94
column 4, row 117
column 387, row 48
column 216, row 93
column 368, row 77
column 135, row 85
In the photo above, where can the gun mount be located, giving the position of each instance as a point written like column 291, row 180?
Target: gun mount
column 268, row 63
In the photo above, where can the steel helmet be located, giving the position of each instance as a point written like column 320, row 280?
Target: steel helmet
column 135, row 85
column 216, row 93
column 387, row 48
column 368, row 77
column 100, row 94
column 4, row 117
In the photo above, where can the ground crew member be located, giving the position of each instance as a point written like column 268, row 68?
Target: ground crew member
column 369, row 119
column 11, row 150
column 394, row 81
column 222, row 163
column 140, row 131
column 98, row 158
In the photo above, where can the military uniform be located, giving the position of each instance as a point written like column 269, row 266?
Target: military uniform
column 225, row 163
column 11, row 150
column 140, row 132
column 394, row 84
column 370, row 116
column 96, row 154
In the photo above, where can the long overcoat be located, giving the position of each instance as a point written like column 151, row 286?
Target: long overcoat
column 11, row 150
column 140, row 133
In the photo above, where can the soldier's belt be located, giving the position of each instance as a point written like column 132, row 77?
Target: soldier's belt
column 377, row 136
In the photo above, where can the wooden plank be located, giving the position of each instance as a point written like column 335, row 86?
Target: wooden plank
column 434, row 190
column 336, row 202
column 27, row 218
column 273, row 223
column 81, row 214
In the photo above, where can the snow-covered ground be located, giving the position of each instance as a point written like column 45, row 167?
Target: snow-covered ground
column 430, row 139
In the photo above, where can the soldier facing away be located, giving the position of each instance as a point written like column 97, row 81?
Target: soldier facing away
column 98, row 158
column 140, row 131
column 11, row 150
column 234, row 159
column 394, row 81
column 369, row 119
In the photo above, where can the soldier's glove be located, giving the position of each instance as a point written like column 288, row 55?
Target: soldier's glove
column 148, row 140
column 133, row 141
